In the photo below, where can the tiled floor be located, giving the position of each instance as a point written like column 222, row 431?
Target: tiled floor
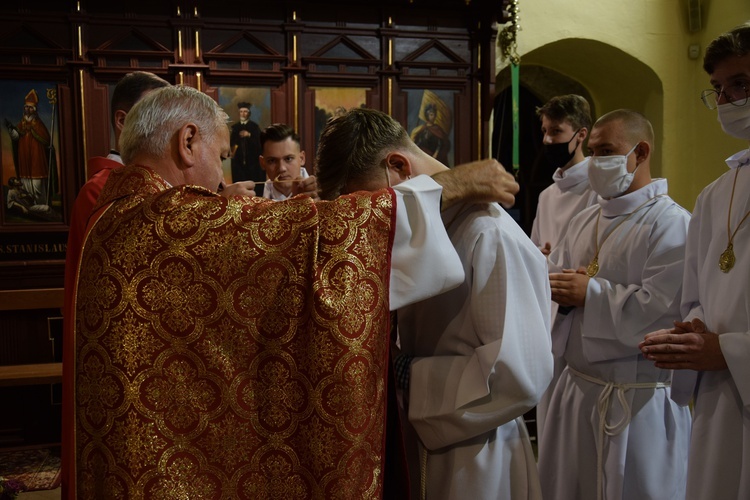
column 41, row 495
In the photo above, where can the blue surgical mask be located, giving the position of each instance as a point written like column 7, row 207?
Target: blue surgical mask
column 609, row 176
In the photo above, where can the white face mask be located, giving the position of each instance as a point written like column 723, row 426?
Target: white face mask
column 735, row 120
column 609, row 176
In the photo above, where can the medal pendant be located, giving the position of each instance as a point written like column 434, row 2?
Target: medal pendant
column 726, row 261
column 593, row 267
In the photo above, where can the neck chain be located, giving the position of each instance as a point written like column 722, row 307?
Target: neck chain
column 726, row 261
column 593, row 268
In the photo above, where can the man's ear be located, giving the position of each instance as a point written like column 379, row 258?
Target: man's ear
column 642, row 152
column 119, row 121
column 262, row 162
column 583, row 133
column 399, row 163
column 301, row 158
column 187, row 138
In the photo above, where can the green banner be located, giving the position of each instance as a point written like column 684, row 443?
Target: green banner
column 514, row 94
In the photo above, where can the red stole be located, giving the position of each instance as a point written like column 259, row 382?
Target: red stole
column 232, row 348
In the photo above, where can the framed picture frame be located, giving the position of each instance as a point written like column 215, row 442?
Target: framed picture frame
column 249, row 109
column 34, row 179
column 30, row 153
column 330, row 102
column 430, row 117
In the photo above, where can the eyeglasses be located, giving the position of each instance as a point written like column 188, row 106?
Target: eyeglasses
column 734, row 94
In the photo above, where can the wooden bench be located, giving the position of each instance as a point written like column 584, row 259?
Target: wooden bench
column 31, row 374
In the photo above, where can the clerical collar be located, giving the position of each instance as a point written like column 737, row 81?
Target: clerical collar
column 739, row 159
column 114, row 156
column 626, row 203
column 573, row 176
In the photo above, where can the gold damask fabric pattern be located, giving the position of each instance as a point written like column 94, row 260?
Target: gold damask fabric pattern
column 231, row 348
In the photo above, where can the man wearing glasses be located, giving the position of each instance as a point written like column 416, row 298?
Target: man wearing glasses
column 710, row 349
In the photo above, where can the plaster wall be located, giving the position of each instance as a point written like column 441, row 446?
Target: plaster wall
column 634, row 54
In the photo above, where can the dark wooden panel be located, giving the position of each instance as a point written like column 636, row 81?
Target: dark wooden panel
column 25, row 337
column 89, row 45
column 45, row 373
column 38, row 298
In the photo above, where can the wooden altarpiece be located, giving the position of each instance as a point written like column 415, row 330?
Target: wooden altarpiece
column 428, row 64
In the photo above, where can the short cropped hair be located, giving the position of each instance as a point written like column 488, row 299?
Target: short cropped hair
column 735, row 42
column 637, row 127
column 278, row 132
column 130, row 88
column 571, row 107
column 353, row 147
column 153, row 121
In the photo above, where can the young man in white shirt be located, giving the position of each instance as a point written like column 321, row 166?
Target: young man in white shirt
column 612, row 431
column 710, row 350
column 566, row 122
column 283, row 160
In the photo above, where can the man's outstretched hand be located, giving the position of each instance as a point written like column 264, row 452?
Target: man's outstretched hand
column 479, row 182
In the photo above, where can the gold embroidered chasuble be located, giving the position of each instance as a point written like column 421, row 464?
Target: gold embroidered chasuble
column 231, row 347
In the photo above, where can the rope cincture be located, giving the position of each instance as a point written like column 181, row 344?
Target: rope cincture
column 603, row 405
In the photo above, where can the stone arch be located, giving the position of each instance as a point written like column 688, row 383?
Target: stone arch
column 607, row 76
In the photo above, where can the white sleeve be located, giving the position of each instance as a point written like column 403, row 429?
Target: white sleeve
column 423, row 261
column 535, row 236
column 618, row 315
column 683, row 381
column 733, row 340
column 457, row 397
column 690, row 306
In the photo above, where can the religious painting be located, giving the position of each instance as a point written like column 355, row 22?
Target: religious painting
column 249, row 109
column 430, row 122
column 29, row 152
column 331, row 102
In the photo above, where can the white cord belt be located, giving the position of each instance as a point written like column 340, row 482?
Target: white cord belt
column 603, row 405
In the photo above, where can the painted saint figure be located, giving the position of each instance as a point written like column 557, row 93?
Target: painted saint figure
column 245, row 143
column 33, row 153
column 431, row 137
